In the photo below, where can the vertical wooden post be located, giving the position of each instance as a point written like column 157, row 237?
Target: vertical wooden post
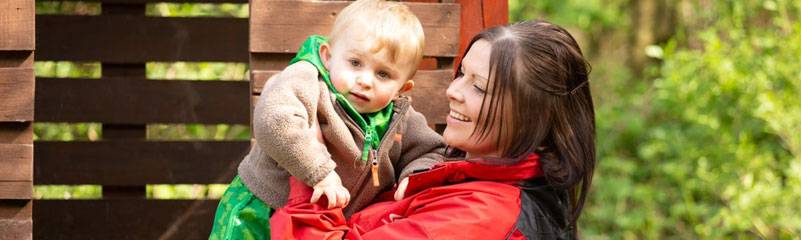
column 115, row 132
column 16, row 118
column 478, row 15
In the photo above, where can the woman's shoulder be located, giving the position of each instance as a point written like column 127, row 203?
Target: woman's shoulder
column 545, row 211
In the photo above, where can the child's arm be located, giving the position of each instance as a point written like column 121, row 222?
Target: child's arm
column 284, row 124
column 331, row 185
column 421, row 147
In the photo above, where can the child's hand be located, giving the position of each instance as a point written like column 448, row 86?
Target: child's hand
column 332, row 187
column 401, row 189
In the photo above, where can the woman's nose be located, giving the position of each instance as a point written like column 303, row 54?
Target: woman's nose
column 453, row 91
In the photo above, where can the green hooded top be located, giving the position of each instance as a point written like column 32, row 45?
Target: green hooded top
column 374, row 124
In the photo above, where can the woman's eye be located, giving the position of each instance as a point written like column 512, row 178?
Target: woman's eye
column 459, row 73
column 383, row 74
column 355, row 63
column 479, row 89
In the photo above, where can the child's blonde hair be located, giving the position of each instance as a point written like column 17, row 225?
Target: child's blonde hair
column 388, row 25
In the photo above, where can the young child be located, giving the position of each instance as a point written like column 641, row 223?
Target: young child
column 345, row 89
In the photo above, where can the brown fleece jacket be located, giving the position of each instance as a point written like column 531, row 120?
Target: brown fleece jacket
column 286, row 142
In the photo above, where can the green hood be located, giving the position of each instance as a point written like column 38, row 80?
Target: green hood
column 374, row 124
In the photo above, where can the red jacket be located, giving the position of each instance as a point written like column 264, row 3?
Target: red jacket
column 452, row 200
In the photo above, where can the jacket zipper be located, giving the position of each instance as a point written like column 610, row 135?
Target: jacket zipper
column 374, row 152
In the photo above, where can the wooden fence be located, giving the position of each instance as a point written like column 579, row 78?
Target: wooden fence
column 16, row 118
column 123, row 39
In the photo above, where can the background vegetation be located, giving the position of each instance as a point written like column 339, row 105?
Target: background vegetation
column 697, row 106
column 698, row 112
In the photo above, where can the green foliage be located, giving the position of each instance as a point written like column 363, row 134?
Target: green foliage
column 708, row 146
column 67, row 192
column 197, row 10
column 724, row 126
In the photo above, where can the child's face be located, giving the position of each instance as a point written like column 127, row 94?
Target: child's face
column 369, row 81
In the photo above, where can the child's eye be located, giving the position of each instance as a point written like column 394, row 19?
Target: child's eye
column 479, row 89
column 355, row 63
column 383, row 74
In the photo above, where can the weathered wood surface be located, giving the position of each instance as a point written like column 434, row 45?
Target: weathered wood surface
column 137, row 162
column 123, row 219
column 141, row 101
column 137, row 39
column 16, row 25
column 16, row 89
column 282, row 26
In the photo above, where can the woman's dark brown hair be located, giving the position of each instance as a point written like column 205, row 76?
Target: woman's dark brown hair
column 539, row 67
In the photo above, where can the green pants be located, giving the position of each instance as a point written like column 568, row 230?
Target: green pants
column 241, row 215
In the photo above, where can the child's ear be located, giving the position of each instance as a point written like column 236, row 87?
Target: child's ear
column 325, row 55
column 406, row 87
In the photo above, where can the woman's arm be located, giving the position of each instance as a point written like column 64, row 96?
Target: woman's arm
column 472, row 210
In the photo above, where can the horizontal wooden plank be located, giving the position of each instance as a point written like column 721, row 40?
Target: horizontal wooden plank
column 16, row 162
column 16, row 25
column 131, row 39
column 282, row 26
column 16, row 229
column 20, row 209
column 16, row 59
column 430, row 85
column 16, row 133
column 16, row 89
column 123, row 219
column 159, row 1
column 137, row 162
column 270, row 61
column 16, row 190
column 141, row 101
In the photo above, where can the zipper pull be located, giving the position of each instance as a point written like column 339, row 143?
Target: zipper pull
column 374, row 169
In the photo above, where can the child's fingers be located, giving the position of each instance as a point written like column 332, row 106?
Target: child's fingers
column 399, row 193
column 341, row 199
column 316, row 196
column 347, row 198
column 332, row 198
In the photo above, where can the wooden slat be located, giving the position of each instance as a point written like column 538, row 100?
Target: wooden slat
column 270, row 61
column 16, row 209
column 16, row 59
column 16, row 190
column 123, row 219
column 124, row 163
column 16, row 89
column 16, row 162
column 16, row 133
column 140, row 101
column 134, row 39
column 123, row 8
column 282, row 26
column 428, row 95
column 496, row 13
column 16, row 25
column 124, row 70
column 16, row 219
column 172, row 1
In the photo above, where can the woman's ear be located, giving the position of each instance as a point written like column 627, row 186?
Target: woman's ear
column 406, row 87
column 325, row 55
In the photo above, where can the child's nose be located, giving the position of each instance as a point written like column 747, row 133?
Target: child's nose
column 366, row 80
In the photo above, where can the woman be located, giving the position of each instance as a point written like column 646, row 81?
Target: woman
column 522, row 122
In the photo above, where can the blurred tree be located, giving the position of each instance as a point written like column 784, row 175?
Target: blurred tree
column 704, row 142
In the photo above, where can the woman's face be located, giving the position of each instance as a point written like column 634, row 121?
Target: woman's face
column 465, row 94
